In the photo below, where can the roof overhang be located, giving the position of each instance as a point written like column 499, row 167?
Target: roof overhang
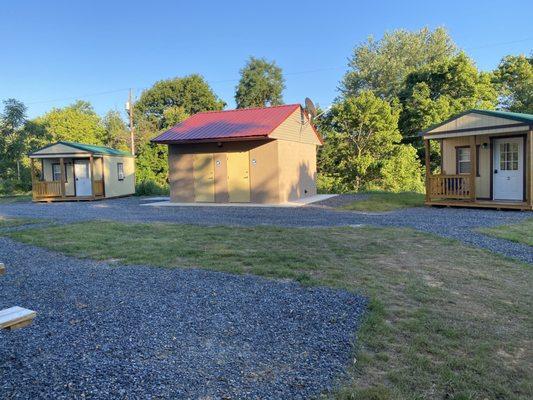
column 482, row 130
column 214, row 140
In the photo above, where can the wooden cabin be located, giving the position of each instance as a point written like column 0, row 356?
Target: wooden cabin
column 486, row 161
column 67, row 171
column 257, row 155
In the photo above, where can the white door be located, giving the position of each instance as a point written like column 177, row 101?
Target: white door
column 83, row 178
column 508, row 173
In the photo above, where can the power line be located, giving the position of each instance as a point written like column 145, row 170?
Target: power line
column 143, row 88
column 78, row 97
column 499, row 44
column 237, row 79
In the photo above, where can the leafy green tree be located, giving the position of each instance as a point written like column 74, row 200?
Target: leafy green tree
column 191, row 93
column 165, row 104
column 383, row 65
column 362, row 148
column 18, row 137
column 152, row 159
column 261, row 84
column 173, row 115
column 514, row 80
column 116, row 133
column 77, row 123
column 440, row 90
column 11, row 138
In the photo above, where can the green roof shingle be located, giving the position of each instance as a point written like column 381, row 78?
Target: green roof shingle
column 91, row 148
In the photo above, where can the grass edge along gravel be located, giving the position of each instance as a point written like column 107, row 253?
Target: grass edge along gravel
column 445, row 320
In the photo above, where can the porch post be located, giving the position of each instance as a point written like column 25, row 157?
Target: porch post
column 473, row 169
column 33, row 177
column 91, row 162
column 428, row 170
column 62, row 169
column 529, row 171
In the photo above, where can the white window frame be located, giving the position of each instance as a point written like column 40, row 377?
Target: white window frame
column 120, row 171
column 461, row 162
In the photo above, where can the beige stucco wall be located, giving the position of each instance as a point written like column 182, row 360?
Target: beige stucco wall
column 114, row 187
column 264, row 187
column 297, row 170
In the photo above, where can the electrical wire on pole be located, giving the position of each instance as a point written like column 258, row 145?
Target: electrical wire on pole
column 129, row 109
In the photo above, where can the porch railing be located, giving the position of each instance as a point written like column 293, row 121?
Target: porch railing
column 43, row 189
column 449, row 186
column 98, row 188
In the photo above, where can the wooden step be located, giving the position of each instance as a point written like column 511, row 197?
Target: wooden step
column 16, row 317
column 2, row 269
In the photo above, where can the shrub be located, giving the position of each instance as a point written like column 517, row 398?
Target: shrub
column 151, row 188
column 13, row 187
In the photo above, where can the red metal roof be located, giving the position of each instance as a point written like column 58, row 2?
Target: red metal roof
column 231, row 124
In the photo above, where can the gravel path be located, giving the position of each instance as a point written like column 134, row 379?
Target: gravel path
column 110, row 331
column 457, row 223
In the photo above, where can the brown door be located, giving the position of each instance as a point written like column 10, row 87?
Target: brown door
column 239, row 177
column 204, row 178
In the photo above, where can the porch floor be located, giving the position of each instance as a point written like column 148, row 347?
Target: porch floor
column 499, row 205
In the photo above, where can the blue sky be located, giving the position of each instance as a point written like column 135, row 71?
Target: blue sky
column 54, row 52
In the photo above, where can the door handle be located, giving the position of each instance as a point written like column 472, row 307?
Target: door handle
column 495, row 171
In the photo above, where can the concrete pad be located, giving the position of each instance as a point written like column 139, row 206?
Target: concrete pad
column 160, row 198
column 297, row 203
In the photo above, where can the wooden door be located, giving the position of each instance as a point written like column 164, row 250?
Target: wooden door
column 204, row 178
column 238, row 165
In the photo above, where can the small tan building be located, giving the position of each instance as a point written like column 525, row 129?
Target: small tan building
column 486, row 160
column 66, row 171
column 257, row 155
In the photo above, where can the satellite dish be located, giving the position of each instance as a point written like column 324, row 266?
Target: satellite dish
column 310, row 107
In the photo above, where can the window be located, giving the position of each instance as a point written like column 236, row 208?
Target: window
column 509, row 156
column 120, row 171
column 56, row 172
column 463, row 160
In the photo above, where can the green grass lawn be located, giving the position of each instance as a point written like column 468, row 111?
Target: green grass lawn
column 386, row 201
column 521, row 232
column 7, row 199
column 446, row 321
column 6, row 222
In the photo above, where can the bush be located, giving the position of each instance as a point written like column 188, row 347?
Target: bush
column 9, row 187
column 151, row 188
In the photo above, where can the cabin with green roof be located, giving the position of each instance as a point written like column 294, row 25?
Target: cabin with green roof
column 485, row 160
column 67, row 171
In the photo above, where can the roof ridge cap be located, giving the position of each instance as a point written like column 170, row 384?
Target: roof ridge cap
column 247, row 109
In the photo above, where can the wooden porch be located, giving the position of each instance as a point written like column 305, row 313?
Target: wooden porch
column 459, row 190
column 55, row 190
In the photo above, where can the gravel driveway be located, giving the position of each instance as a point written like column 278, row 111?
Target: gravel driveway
column 457, row 223
column 110, row 331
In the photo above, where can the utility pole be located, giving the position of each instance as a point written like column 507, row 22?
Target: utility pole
column 129, row 108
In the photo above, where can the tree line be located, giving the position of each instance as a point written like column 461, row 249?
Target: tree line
column 393, row 88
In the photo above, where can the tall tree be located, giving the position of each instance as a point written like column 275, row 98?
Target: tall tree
column 514, row 80
column 362, row 148
column 191, row 93
column 18, row 137
column 160, row 107
column 439, row 90
column 12, row 138
column 116, row 133
column 383, row 65
column 261, row 84
column 77, row 123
